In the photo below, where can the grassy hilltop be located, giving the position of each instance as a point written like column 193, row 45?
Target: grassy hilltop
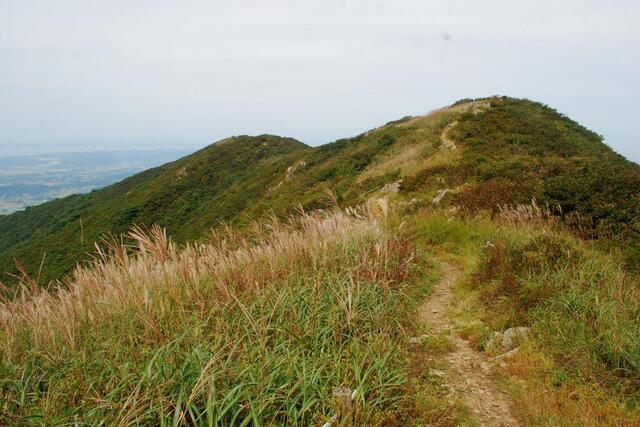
column 259, row 274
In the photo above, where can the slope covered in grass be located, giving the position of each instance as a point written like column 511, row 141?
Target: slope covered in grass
column 520, row 150
column 216, row 183
column 261, row 328
column 237, row 331
column 517, row 150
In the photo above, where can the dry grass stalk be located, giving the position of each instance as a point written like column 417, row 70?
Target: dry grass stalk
column 530, row 213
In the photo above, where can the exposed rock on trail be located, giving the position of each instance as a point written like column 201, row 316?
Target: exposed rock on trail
column 467, row 107
column 469, row 372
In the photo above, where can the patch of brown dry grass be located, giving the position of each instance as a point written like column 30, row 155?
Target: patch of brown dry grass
column 530, row 374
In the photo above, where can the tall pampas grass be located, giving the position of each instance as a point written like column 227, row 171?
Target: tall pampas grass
column 244, row 328
column 155, row 274
column 529, row 213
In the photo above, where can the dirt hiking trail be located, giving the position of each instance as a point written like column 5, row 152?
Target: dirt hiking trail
column 469, row 372
column 446, row 139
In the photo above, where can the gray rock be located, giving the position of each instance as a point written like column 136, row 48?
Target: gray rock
column 441, row 195
column 437, row 373
column 508, row 354
column 392, row 187
column 417, row 340
column 508, row 340
column 514, row 336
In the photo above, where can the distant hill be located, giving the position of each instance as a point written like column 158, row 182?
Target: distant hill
column 502, row 151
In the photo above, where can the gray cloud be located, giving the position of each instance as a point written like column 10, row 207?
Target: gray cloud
column 89, row 74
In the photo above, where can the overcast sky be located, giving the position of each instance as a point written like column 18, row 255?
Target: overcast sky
column 86, row 75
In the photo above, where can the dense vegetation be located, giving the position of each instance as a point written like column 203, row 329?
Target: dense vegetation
column 519, row 150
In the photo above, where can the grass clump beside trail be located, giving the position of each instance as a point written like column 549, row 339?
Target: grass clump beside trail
column 582, row 363
column 239, row 331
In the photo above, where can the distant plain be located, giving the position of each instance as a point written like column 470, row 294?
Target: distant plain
column 29, row 180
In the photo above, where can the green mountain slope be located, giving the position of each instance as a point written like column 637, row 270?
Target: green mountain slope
column 405, row 304
column 518, row 150
column 487, row 152
column 187, row 196
column 233, row 180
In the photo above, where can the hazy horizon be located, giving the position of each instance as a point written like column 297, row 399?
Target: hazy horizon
column 82, row 76
column 37, row 150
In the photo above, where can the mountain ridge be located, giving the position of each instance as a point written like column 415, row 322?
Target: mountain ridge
column 507, row 151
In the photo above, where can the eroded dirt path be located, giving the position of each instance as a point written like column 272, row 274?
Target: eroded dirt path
column 444, row 136
column 469, row 372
